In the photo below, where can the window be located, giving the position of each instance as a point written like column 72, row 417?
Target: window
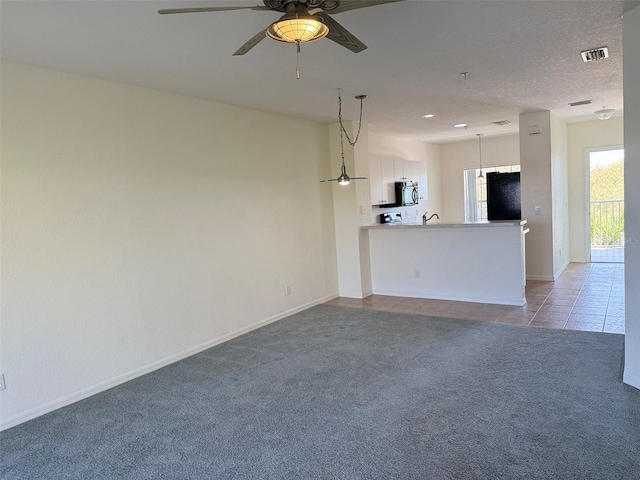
column 475, row 191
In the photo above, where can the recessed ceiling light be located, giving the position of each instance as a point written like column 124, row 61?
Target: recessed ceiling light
column 429, row 115
column 501, row 123
column 460, row 125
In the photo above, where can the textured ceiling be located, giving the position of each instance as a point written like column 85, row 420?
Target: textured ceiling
column 522, row 56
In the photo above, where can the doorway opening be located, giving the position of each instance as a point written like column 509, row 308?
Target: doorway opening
column 606, row 205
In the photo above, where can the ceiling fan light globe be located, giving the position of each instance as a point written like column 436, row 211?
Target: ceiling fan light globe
column 292, row 30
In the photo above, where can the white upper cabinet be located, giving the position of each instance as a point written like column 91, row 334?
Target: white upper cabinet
column 375, row 181
column 388, row 180
column 398, row 167
column 414, row 171
column 423, row 181
column 384, row 172
column 381, row 180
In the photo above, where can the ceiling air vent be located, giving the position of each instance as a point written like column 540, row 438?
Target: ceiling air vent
column 581, row 102
column 595, row 54
column 501, row 123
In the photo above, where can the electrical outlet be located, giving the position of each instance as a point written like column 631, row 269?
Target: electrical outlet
column 288, row 290
column 417, row 273
column 2, row 384
column 538, row 210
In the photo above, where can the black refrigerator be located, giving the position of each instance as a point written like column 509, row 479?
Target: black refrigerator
column 503, row 196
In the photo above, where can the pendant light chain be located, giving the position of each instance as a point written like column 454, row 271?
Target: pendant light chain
column 344, row 178
column 343, row 132
column 480, row 153
column 361, row 97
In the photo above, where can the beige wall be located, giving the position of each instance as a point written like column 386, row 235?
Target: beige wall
column 582, row 137
column 537, row 193
column 139, row 227
column 560, row 195
column 460, row 156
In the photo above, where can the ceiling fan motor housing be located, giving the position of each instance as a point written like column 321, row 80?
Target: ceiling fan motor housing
column 281, row 5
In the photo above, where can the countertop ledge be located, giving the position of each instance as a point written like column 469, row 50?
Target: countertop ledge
column 395, row 226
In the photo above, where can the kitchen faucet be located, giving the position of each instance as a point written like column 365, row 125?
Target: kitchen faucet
column 425, row 219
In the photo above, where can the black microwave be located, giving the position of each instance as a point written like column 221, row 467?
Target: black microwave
column 406, row 194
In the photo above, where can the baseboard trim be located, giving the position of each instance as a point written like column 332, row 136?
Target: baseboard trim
column 578, row 260
column 366, row 294
column 544, row 278
column 631, row 380
column 560, row 270
column 138, row 372
column 392, row 293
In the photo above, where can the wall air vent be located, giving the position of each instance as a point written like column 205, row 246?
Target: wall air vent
column 501, row 123
column 581, row 102
column 595, row 54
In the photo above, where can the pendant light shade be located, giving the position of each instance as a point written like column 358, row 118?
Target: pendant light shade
column 344, row 179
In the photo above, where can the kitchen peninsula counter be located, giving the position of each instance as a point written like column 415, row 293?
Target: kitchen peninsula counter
column 476, row 262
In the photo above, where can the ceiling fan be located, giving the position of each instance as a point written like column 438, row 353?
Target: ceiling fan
column 298, row 25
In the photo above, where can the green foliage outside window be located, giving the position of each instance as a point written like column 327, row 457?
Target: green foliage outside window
column 607, row 205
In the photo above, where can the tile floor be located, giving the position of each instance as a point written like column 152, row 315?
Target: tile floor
column 607, row 255
column 586, row 296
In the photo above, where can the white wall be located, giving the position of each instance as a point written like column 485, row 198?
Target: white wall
column 460, row 156
column 581, row 137
column 631, row 41
column 457, row 265
column 140, row 226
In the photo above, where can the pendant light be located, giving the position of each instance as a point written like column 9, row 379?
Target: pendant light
column 345, row 179
column 480, row 153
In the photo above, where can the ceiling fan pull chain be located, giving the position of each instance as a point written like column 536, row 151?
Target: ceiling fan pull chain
column 298, row 59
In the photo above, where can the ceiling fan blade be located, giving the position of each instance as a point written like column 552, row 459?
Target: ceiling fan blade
column 341, row 35
column 253, row 41
column 346, row 5
column 209, row 9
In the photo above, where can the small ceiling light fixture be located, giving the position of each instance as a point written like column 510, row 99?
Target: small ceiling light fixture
column 465, row 75
column 345, row 179
column 460, row 125
column 604, row 114
column 429, row 115
column 481, row 175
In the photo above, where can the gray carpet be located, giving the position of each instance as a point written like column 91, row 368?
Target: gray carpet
column 338, row 393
